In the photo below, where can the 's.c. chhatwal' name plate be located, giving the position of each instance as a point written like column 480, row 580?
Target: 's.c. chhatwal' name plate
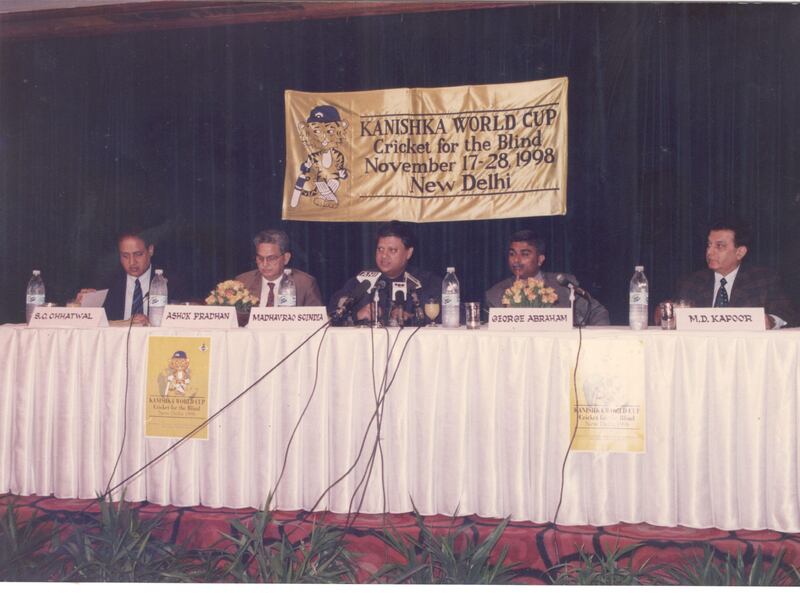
column 287, row 317
column 199, row 316
column 69, row 317
column 719, row 318
column 530, row 319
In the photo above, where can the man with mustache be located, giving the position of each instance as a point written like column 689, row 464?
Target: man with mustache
column 728, row 282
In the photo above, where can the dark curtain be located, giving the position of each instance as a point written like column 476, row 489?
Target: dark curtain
column 678, row 114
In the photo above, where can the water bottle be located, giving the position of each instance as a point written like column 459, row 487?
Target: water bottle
column 34, row 295
column 287, row 291
column 637, row 311
column 451, row 299
column 158, row 298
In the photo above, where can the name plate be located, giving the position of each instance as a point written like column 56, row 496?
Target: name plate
column 530, row 319
column 199, row 316
column 719, row 318
column 69, row 317
column 287, row 317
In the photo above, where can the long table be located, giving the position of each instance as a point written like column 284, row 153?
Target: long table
column 473, row 422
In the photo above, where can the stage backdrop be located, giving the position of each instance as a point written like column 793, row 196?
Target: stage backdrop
column 426, row 155
column 678, row 113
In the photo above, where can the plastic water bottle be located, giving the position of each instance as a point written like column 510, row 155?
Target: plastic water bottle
column 158, row 298
column 451, row 299
column 637, row 312
column 287, row 291
column 34, row 296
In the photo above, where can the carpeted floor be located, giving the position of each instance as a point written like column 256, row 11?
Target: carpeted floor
column 536, row 547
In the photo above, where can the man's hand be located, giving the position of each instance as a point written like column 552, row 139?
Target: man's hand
column 138, row 320
column 82, row 292
column 770, row 322
column 364, row 313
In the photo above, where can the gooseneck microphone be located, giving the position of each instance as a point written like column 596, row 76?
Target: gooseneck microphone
column 367, row 282
column 564, row 281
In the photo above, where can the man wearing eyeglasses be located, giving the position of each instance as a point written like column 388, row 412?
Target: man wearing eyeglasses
column 272, row 255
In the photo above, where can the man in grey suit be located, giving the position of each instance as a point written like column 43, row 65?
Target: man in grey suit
column 272, row 255
column 525, row 258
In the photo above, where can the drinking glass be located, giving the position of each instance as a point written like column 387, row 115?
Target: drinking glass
column 432, row 310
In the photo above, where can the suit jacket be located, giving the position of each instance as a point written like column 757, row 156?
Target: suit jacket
column 592, row 311
column 308, row 294
column 115, row 299
column 754, row 287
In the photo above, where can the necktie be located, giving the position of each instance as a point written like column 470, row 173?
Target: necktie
column 722, row 294
column 137, row 308
column 271, row 295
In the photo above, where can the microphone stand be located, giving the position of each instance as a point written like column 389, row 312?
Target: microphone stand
column 375, row 322
column 572, row 302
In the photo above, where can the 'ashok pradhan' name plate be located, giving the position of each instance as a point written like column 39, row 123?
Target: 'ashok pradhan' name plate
column 199, row 316
column 427, row 154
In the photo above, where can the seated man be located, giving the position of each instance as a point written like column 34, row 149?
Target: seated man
column 394, row 248
column 727, row 282
column 128, row 290
column 525, row 257
column 272, row 254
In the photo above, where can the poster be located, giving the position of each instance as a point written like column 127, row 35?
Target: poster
column 176, row 398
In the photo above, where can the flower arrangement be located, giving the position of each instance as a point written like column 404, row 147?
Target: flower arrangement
column 529, row 293
column 232, row 292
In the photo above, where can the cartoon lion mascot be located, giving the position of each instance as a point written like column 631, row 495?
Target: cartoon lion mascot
column 178, row 377
column 322, row 171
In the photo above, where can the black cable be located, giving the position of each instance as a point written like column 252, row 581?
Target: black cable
column 124, row 407
column 274, row 490
column 574, row 432
column 377, row 446
column 206, row 422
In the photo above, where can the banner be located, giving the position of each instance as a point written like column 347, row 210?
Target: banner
column 610, row 411
column 176, row 401
column 425, row 155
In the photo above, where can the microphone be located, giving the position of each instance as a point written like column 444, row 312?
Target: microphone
column 399, row 292
column 564, row 281
column 367, row 282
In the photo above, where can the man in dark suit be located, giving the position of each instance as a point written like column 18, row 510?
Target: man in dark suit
column 394, row 247
column 525, row 258
column 728, row 282
column 128, row 290
column 273, row 253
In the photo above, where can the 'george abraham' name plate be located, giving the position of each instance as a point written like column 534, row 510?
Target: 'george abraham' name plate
column 530, row 319
column 199, row 316
column 287, row 317
column 719, row 318
column 69, row 317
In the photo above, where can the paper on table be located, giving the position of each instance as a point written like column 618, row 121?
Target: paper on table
column 94, row 299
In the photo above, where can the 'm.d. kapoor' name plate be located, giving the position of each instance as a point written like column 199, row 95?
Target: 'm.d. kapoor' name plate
column 719, row 318
column 69, row 317
column 287, row 317
column 533, row 319
column 199, row 316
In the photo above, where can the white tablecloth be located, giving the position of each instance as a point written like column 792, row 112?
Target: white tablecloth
column 475, row 422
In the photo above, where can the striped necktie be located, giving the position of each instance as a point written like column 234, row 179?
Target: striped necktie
column 137, row 308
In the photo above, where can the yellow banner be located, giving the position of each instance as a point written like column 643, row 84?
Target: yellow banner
column 425, row 155
column 176, row 401
column 610, row 411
